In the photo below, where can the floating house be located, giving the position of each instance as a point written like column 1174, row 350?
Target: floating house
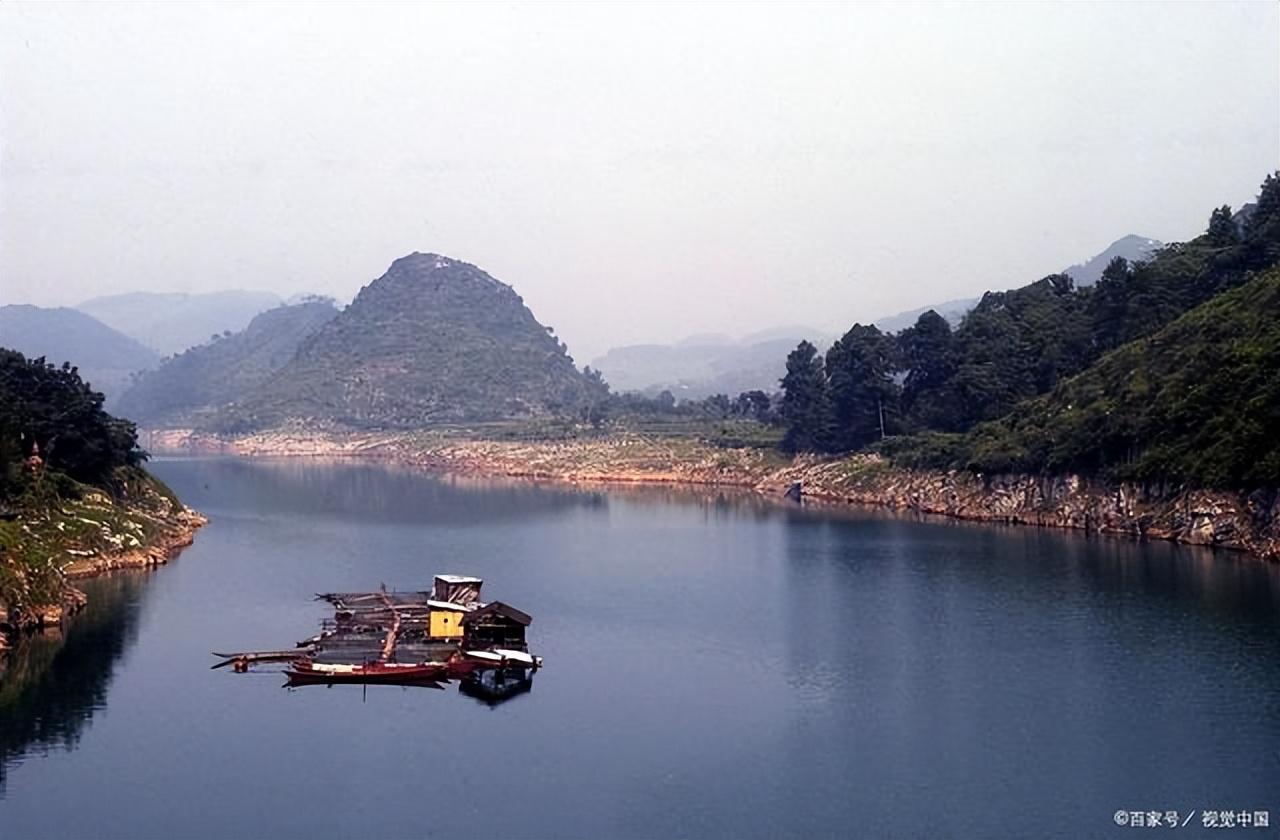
column 413, row 638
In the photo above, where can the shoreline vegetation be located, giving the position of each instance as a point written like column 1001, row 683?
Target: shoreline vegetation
column 72, row 537
column 75, row 499
column 1236, row 520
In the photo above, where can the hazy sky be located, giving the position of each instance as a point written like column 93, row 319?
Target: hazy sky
column 637, row 173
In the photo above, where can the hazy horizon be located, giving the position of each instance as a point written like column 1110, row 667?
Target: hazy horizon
column 637, row 174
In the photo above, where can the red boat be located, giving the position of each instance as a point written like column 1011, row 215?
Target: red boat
column 306, row 672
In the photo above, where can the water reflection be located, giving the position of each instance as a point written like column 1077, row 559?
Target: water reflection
column 961, row 654
column 722, row 666
column 54, row 682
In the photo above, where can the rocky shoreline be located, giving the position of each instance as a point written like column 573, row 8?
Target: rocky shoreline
column 1248, row 522
column 158, row 529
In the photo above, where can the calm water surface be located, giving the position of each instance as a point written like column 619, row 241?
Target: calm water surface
column 716, row 667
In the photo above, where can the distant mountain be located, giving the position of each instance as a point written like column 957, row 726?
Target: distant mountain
column 700, row 366
column 172, row 322
column 432, row 340
column 193, row 385
column 1133, row 248
column 953, row 310
column 105, row 357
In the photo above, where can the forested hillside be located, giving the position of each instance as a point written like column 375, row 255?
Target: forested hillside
column 193, row 385
column 1017, row 345
column 432, row 340
column 1198, row 402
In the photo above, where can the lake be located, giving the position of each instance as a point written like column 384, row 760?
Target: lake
column 716, row 666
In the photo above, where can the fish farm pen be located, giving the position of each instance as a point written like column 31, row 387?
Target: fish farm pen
column 411, row 638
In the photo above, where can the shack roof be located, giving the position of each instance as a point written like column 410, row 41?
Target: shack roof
column 497, row 608
column 458, row 579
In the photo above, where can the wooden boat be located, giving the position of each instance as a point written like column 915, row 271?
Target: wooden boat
column 304, row 672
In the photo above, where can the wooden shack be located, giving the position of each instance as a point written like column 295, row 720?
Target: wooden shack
column 456, row 589
column 495, row 625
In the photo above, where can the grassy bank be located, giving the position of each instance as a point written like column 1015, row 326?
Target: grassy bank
column 58, row 530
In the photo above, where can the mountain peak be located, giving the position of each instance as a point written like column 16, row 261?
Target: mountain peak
column 1132, row 247
column 418, row 266
column 434, row 339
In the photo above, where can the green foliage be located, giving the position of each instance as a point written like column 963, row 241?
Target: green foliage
column 52, row 409
column 192, row 385
column 1013, row 345
column 1197, row 402
column 806, row 402
column 1222, row 230
column 929, row 354
column 59, row 521
column 859, row 369
column 1159, row 371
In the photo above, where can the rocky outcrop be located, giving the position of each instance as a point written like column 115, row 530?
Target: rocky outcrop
column 179, row 533
column 1243, row 521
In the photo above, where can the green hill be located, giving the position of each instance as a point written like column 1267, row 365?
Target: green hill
column 1196, row 402
column 929, row 379
column 432, row 340
column 195, row 384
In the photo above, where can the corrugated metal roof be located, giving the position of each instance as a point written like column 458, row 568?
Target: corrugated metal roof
column 458, row 579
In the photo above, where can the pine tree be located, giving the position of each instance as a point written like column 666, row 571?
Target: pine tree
column 860, row 379
column 806, row 405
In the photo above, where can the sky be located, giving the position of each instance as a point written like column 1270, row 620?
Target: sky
column 637, row 172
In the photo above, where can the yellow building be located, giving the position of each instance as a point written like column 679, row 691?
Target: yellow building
column 446, row 619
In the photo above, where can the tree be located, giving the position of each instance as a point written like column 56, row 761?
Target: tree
column 806, row 405
column 860, row 379
column 753, row 404
column 1222, row 230
column 595, row 397
column 927, row 352
column 53, row 409
column 717, row 405
column 1109, row 304
column 1268, row 204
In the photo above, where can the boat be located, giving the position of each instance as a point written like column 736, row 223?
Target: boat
column 307, row 672
column 423, row 637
